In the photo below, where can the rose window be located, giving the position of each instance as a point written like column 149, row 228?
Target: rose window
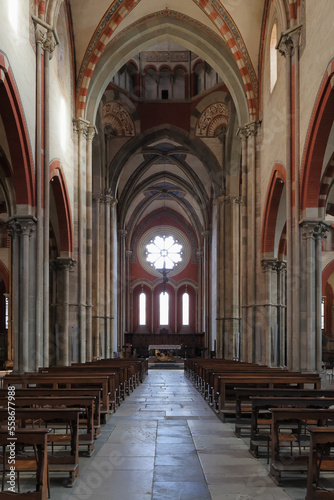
column 164, row 252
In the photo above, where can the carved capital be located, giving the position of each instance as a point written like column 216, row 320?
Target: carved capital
column 91, row 131
column 252, row 128
column 242, row 133
column 40, row 34
column 18, row 225
column 50, row 43
column 80, row 126
column 289, row 41
column 128, row 254
column 229, row 199
column 314, row 229
column 206, row 234
column 64, row 263
column 122, row 233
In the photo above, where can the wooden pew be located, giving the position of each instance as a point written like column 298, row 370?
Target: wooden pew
column 320, row 438
column 85, row 371
column 36, row 438
column 264, row 403
column 56, row 381
column 67, row 393
column 274, row 380
column 68, row 463
column 293, row 417
column 85, row 403
column 245, row 394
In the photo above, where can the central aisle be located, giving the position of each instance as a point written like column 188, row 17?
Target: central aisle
column 165, row 443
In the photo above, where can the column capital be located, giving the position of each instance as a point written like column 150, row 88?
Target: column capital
column 242, row 133
column 21, row 224
column 229, row 199
column 128, row 254
column 40, row 33
column 289, row 41
column 252, row 128
column 80, row 126
column 122, row 232
column 91, row 132
column 206, row 234
column 51, row 42
column 273, row 265
column 315, row 229
column 66, row 263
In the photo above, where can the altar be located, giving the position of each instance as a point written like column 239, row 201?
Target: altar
column 163, row 352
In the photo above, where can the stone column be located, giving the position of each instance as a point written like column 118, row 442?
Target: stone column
column 89, row 242
column 270, row 339
column 288, row 47
column 246, row 333
column 42, row 354
column 206, row 302
column 200, row 326
column 81, row 129
column 313, row 232
column 114, row 275
column 96, row 282
column 20, row 229
column 253, row 246
column 281, row 316
column 64, row 265
column 128, row 255
column 219, row 205
column 49, row 46
column 232, row 317
column 122, row 293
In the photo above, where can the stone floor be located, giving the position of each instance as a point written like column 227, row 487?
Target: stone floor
column 165, row 443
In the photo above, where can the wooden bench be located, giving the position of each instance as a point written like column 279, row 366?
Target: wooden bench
column 258, row 439
column 56, row 381
column 68, row 463
column 244, row 395
column 85, row 403
column 293, row 417
column 273, row 381
column 86, row 371
column 67, row 393
column 321, row 438
column 37, row 439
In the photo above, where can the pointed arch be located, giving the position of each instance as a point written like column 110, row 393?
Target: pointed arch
column 17, row 135
column 231, row 40
column 59, row 189
column 274, row 193
column 326, row 273
column 4, row 272
column 316, row 141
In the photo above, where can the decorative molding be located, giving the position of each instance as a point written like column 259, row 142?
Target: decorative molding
column 214, row 117
column 166, row 56
column 229, row 199
column 115, row 115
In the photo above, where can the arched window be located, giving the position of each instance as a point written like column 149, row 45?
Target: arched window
column 142, row 309
column 164, row 308
column 273, row 58
column 185, row 309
